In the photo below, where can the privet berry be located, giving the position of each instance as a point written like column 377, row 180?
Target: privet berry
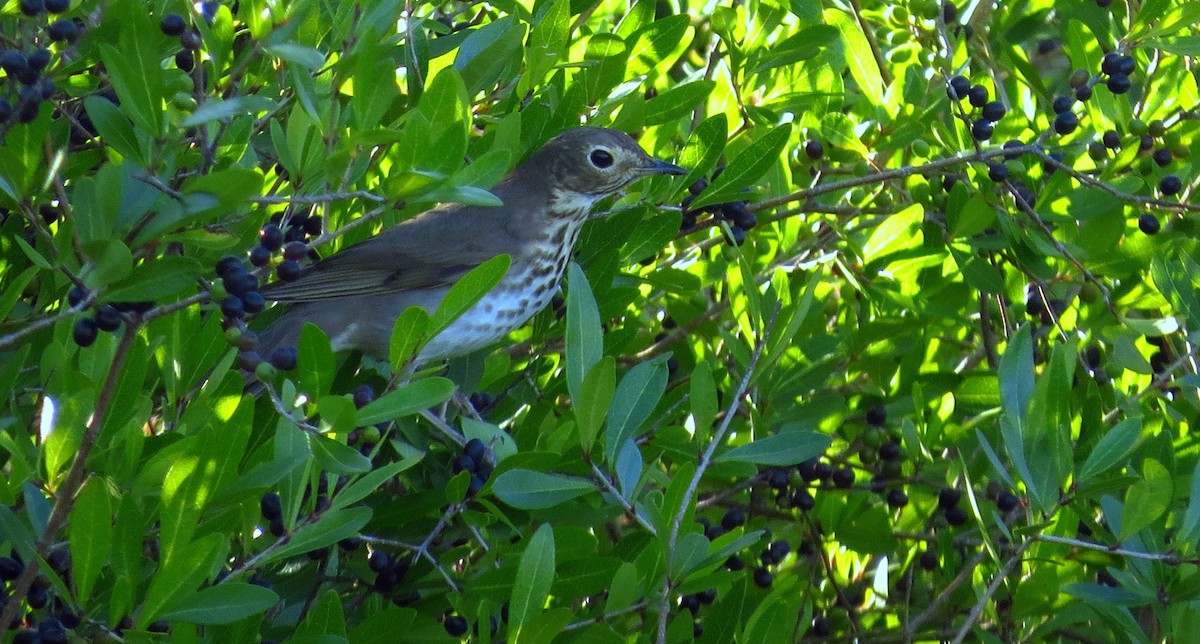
column 1170, row 185
column 959, row 88
column 1065, row 122
column 1119, row 83
column 85, row 332
column 997, row 172
column 173, row 25
column 1061, row 104
column 993, row 111
column 1111, row 139
column 1149, row 224
column 981, row 130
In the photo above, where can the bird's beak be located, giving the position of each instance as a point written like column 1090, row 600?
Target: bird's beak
column 662, row 167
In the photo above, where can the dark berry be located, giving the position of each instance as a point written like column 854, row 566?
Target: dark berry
column 76, row 296
column 259, row 256
column 295, row 250
column 363, row 396
column 897, row 498
column 803, row 500
column 455, row 625
column 948, row 498
column 160, row 626
column 1126, row 65
column 889, row 451
column 843, row 478
column 1007, row 501
column 52, row 631
column 1078, row 78
column 777, row 479
column 172, row 25
column 1111, row 63
column 734, row 563
column 26, row 636
column 958, row 88
column 379, row 561
column 1049, row 167
column 270, row 506
column 1149, row 224
column 350, row 544
column 814, row 149
column 736, row 236
column 185, row 60
column 1119, row 83
column 808, row 470
column 107, row 318
column 978, row 95
column 690, row 602
column 956, row 515
column 10, row 569
column 270, row 237
column 1111, row 139
column 1082, row 94
column 707, row 596
column 928, row 559
column 39, row 59
column 779, row 549
column 313, row 225
column 57, row 6
column 190, row 40
column 733, row 518
column 997, row 172
column 949, row 12
column 64, row 30
column 981, row 130
column 288, row 270
column 876, row 415
column 227, row 264
column 1170, row 185
column 1162, row 156
column 475, row 449
column 32, row 8
column 1157, row 128
column 283, row 358
column 993, row 111
column 1066, row 122
column 232, row 308
column 463, row 463
column 85, row 332
column 1097, row 151
column 253, row 301
column 820, row 627
column 6, row 111
column 1062, row 104
column 763, row 577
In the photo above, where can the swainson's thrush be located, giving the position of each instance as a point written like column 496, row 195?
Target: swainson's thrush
column 356, row 295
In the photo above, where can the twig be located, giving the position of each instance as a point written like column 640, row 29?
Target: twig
column 702, row 466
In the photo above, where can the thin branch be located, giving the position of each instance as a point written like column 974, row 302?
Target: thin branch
column 702, row 466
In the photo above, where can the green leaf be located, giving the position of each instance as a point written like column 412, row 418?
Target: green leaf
column 337, row 457
column 596, row 394
column 330, row 528
column 156, row 280
column 535, row 574
column 1189, row 529
column 359, row 488
column 1016, row 390
column 532, row 490
column 220, row 109
column 858, row 55
column 409, row 334
column 314, row 361
column 784, row 448
column 408, row 399
column 133, row 65
column 636, row 397
column 1148, row 499
column 746, row 168
column 677, row 102
column 177, row 580
column 704, row 148
column 485, row 55
column 111, row 261
column 114, row 128
column 306, row 57
column 223, row 604
column 327, row 618
column 467, row 291
column 584, row 339
column 91, row 535
column 1112, row 448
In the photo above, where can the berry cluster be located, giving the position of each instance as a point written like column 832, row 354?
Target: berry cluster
column 736, row 213
column 456, row 625
column 49, row 618
column 693, row 602
column 275, row 239
column 979, row 98
column 389, row 571
column 25, row 70
column 106, row 317
column 477, row 459
column 175, row 26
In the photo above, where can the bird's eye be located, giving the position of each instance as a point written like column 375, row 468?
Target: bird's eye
column 601, row 158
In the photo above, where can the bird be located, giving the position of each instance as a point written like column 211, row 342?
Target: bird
column 356, row 294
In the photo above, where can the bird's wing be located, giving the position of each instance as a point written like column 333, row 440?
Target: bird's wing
column 431, row 250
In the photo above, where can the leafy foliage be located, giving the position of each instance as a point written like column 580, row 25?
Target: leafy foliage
column 909, row 354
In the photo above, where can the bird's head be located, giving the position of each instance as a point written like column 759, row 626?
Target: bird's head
column 594, row 162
